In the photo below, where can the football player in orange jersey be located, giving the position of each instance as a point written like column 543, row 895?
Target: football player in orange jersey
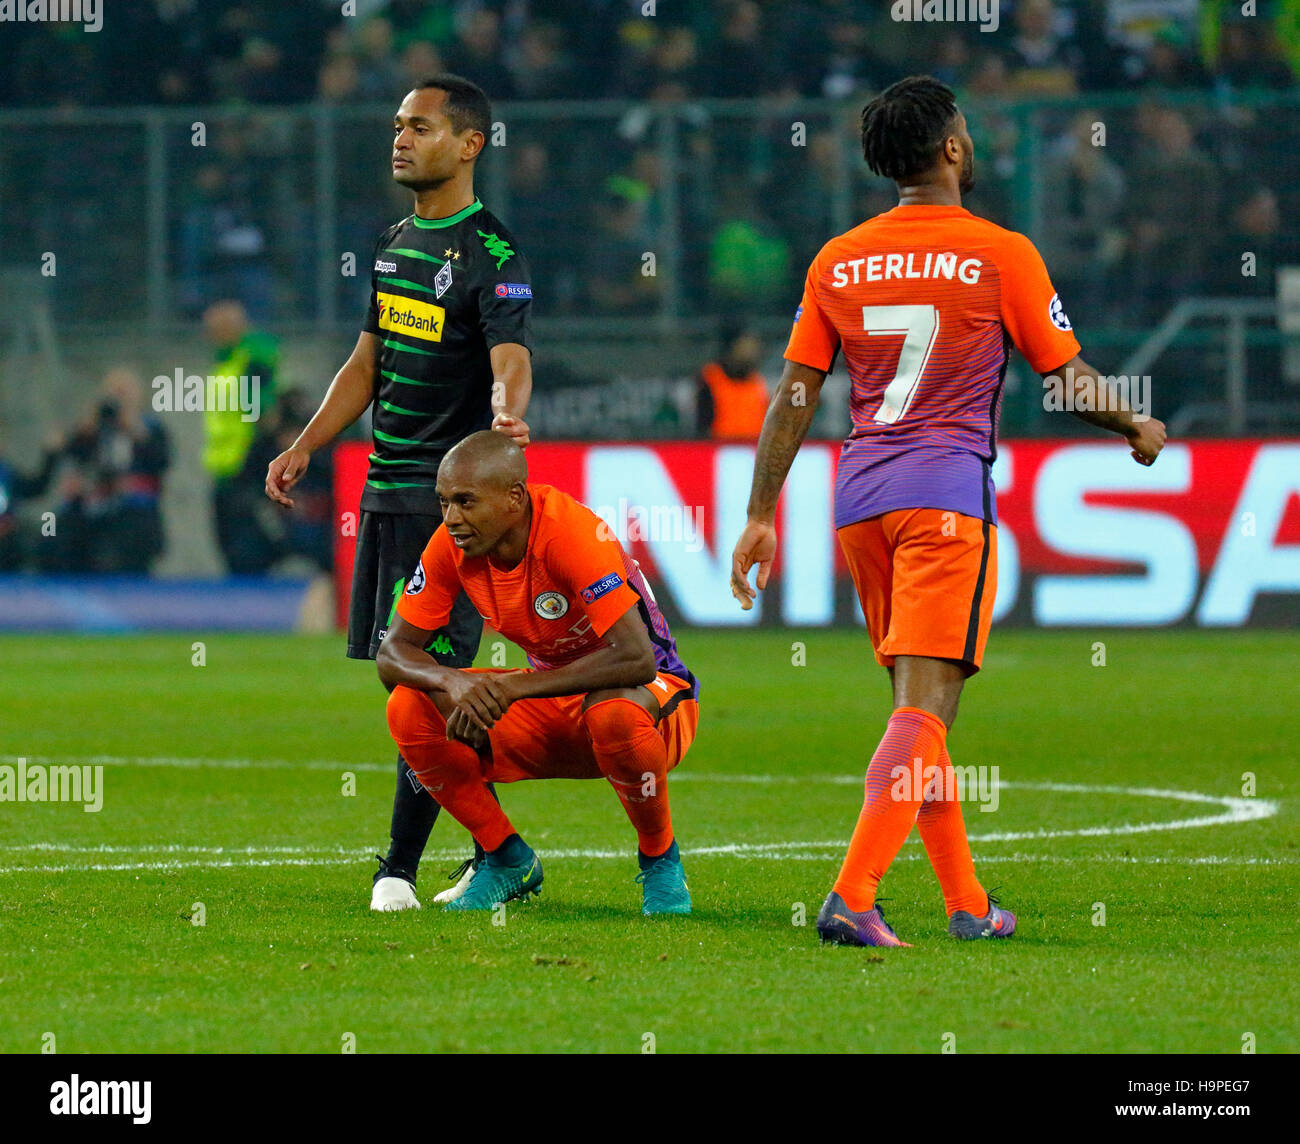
column 924, row 300
column 607, row 695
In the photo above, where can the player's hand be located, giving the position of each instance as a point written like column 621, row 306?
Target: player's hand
column 480, row 699
column 516, row 428
column 285, row 472
column 1146, row 439
column 757, row 545
column 461, row 730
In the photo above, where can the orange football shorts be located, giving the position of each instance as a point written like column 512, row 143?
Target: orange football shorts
column 545, row 738
column 926, row 578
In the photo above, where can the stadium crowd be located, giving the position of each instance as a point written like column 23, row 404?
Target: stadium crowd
column 184, row 52
column 590, row 196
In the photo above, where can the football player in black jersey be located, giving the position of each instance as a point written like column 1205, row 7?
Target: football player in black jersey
column 445, row 351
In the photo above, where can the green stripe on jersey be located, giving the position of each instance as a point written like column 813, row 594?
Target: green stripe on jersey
column 384, row 485
column 398, row 409
column 406, row 250
column 388, row 373
column 405, row 283
column 376, row 459
column 388, row 343
column 389, row 439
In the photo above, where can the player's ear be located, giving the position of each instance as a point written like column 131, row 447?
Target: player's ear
column 471, row 145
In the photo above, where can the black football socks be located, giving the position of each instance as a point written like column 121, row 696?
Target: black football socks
column 414, row 813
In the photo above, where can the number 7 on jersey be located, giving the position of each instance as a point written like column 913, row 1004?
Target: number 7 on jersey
column 919, row 326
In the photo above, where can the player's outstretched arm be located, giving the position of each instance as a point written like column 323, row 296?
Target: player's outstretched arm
column 1094, row 401
column 788, row 418
column 512, row 386
column 349, row 393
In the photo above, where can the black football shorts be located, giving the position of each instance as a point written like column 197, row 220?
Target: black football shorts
column 389, row 545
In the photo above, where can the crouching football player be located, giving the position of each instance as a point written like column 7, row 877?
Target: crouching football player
column 607, row 695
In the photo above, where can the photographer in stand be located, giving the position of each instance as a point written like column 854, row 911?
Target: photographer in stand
column 108, row 517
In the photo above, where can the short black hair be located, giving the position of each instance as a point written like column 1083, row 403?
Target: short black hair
column 905, row 125
column 468, row 108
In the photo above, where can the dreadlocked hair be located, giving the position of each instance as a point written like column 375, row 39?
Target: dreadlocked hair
column 905, row 125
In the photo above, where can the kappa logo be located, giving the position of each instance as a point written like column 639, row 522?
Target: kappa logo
column 550, row 605
column 1056, row 312
column 497, row 247
column 385, row 267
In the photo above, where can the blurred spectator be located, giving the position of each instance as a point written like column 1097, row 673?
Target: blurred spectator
column 1250, row 58
column 615, row 273
column 16, row 487
column 339, row 80
column 478, row 55
column 1171, row 208
column 811, row 177
column 420, row 59
column 1255, row 228
column 1040, row 59
column 223, row 251
column 545, row 211
column 245, row 365
column 731, row 395
column 261, row 76
column 380, row 73
column 749, row 261
column 108, row 517
column 850, row 65
column 672, row 62
column 1169, row 64
column 738, row 66
column 306, row 529
column 1082, row 197
column 1256, row 240
column 995, row 135
column 540, row 68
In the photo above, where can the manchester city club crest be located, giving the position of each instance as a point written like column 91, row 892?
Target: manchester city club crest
column 550, row 605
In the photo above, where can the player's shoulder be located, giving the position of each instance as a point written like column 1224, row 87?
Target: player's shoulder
column 1001, row 238
column 393, row 231
column 557, row 507
column 567, row 526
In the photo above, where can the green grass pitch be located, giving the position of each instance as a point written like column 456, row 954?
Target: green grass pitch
column 226, row 786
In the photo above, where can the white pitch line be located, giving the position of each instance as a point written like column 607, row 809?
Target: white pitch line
column 772, row 856
column 1236, row 810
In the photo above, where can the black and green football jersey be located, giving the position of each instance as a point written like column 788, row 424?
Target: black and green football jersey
column 443, row 293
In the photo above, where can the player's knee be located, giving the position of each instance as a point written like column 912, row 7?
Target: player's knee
column 615, row 721
column 411, row 715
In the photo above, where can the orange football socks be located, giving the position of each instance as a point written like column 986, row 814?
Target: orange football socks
column 944, row 833
column 895, row 790
column 633, row 757
column 450, row 771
